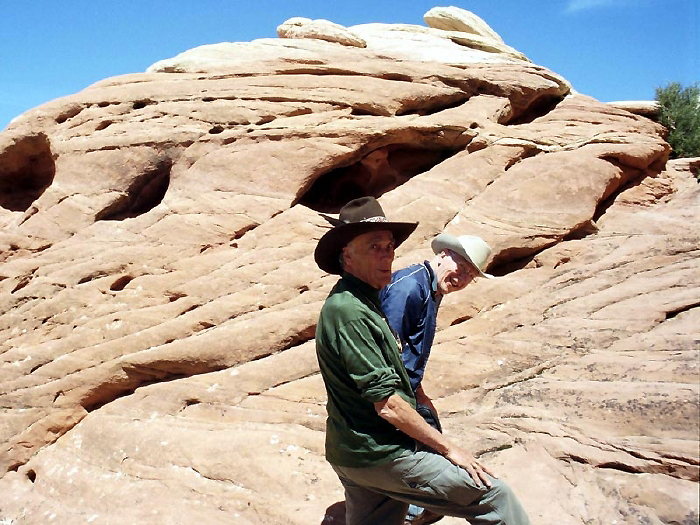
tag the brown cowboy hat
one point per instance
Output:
(357, 217)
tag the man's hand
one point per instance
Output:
(469, 463)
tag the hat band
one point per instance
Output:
(379, 218)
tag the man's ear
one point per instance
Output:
(345, 256)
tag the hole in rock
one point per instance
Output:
(172, 297)
(364, 111)
(460, 320)
(144, 193)
(24, 281)
(682, 309)
(27, 168)
(140, 104)
(513, 259)
(539, 108)
(68, 114)
(31, 475)
(397, 77)
(134, 377)
(121, 283)
(92, 276)
(380, 171)
(102, 125)
(526, 152)
(584, 230)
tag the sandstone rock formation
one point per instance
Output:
(646, 108)
(300, 27)
(159, 296)
(455, 19)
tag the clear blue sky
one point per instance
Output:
(609, 49)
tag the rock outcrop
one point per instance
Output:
(299, 27)
(646, 108)
(159, 296)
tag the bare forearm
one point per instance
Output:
(401, 414)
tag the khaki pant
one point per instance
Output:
(381, 495)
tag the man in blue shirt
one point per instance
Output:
(411, 303)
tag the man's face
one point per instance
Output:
(369, 256)
(453, 272)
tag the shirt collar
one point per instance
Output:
(365, 289)
(433, 277)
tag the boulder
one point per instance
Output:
(299, 27)
(460, 20)
(645, 108)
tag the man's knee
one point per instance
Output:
(500, 491)
(503, 500)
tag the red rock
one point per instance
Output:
(159, 298)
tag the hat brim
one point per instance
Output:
(327, 253)
(448, 242)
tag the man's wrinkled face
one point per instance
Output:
(369, 256)
(454, 272)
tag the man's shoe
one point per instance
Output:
(424, 518)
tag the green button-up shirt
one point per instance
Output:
(360, 361)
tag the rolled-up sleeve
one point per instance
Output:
(365, 359)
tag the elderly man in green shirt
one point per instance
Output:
(383, 451)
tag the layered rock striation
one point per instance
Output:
(159, 296)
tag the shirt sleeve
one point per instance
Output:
(366, 361)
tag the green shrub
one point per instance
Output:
(680, 114)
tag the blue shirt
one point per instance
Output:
(411, 303)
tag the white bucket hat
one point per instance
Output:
(472, 248)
